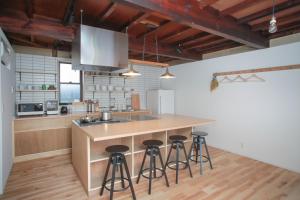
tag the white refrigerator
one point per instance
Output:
(161, 101)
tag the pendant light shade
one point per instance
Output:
(273, 25)
(131, 72)
(167, 75)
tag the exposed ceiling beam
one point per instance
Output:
(154, 30)
(199, 38)
(135, 20)
(107, 12)
(29, 8)
(205, 3)
(268, 11)
(69, 12)
(22, 40)
(36, 28)
(205, 20)
(136, 45)
(242, 5)
(221, 46)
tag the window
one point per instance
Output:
(69, 83)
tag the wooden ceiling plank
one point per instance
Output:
(204, 21)
(107, 12)
(154, 30)
(221, 46)
(29, 8)
(37, 28)
(212, 41)
(69, 12)
(240, 6)
(268, 11)
(136, 45)
(196, 39)
(135, 20)
(176, 34)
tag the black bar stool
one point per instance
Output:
(196, 148)
(117, 159)
(152, 150)
(177, 144)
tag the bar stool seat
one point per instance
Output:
(178, 138)
(200, 133)
(152, 150)
(117, 149)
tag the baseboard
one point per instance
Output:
(42, 155)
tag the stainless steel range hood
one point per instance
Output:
(96, 49)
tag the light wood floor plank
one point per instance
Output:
(233, 177)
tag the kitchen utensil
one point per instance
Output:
(51, 87)
(104, 88)
(135, 101)
(106, 115)
(110, 88)
(86, 119)
(64, 110)
(44, 87)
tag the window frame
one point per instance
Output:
(59, 83)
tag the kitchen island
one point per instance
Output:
(89, 142)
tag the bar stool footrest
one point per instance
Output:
(148, 169)
(118, 190)
(204, 156)
(174, 168)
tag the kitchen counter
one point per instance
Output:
(162, 123)
(89, 157)
(78, 114)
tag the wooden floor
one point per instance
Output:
(233, 177)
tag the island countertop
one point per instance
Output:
(163, 122)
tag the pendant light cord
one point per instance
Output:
(156, 48)
(273, 10)
(144, 46)
(81, 12)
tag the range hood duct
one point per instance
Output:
(96, 49)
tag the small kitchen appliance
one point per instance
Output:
(51, 107)
(25, 109)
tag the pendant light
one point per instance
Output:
(273, 25)
(167, 74)
(131, 72)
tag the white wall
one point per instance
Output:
(7, 107)
(258, 120)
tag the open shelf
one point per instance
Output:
(138, 140)
(98, 152)
(37, 90)
(34, 72)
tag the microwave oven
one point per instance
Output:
(25, 109)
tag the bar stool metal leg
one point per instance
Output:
(177, 163)
(208, 156)
(162, 165)
(142, 166)
(154, 167)
(122, 176)
(105, 176)
(197, 150)
(187, 160)
(113, 179)
(201, 160)
(129, 178)
(168, 156)
(150, 171)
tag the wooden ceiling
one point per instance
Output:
(185, 29)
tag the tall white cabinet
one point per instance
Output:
(161, 101)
